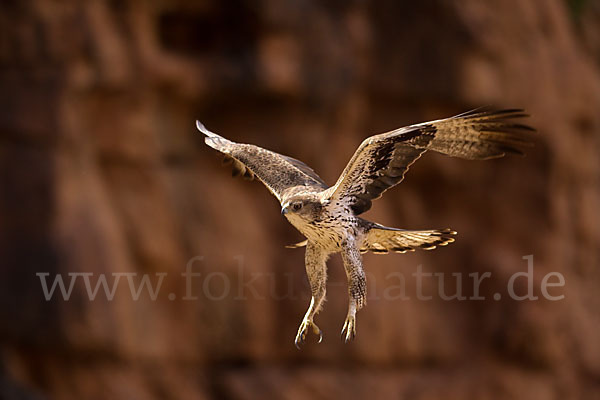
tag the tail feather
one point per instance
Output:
(381, 240)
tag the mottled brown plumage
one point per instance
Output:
(381, 161)
(328, 216)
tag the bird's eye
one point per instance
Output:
(297, 206)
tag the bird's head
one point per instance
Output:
(306, 207)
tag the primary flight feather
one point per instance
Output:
(329, 216)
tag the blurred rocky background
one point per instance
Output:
(102, 171)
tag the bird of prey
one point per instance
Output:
(328, 217)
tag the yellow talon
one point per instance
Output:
(349, 329)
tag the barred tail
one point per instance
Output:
(381, 239)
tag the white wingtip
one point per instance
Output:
(200, 126)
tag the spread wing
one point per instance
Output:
(280, 174)
(381, 161)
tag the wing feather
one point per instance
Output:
(381, 161)
(277, 172)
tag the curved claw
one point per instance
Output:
(349, 329)
(302, 332)
(317, 331)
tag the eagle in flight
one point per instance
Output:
(329, 216)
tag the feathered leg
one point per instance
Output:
(357, 287)
(316, 269)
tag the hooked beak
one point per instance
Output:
(284, 210)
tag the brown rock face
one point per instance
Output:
(102, 174)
